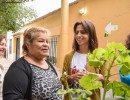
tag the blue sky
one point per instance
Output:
(43, 7)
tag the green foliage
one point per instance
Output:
(14, 16)
(114, 55)
(95, 59)
(113, 52)
(84, 93)
(73, 91)
(91, 81)
(15, 1)
(120, 89)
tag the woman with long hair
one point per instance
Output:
(75, 62)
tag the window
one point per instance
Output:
(17, 48)
(53, 51)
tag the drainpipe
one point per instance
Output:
(63, 43)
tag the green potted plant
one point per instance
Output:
(114, 55)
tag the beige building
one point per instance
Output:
(111, 14)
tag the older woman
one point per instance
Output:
(32, 76)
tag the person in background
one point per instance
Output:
(32, 77)
(2, 51)
(4, 63)
(126, 79)
(1, 79)
(75, 62)
(1, 74)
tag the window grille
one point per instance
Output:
(53, 50)
(17, 48)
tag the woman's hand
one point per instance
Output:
(78, 75)
(100, 76)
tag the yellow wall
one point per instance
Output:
(100, 12)
(51, 22)
(14, 38)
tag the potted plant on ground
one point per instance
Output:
(114, 55)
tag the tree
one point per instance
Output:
(15, 1)
(14, 14)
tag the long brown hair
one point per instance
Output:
(90, 29)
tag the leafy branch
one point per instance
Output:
(84, 93)
(14, 16)
(113, 53)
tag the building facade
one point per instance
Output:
(107, 15)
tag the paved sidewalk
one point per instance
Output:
(108, 94)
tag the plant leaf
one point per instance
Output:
(89, 82)
(62, 92)
(109, 86)
(121, 89)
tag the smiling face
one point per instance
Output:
(39, 48)
(2, 47)
(81, 36)
(85, 33)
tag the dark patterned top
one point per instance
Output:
(45, 84)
